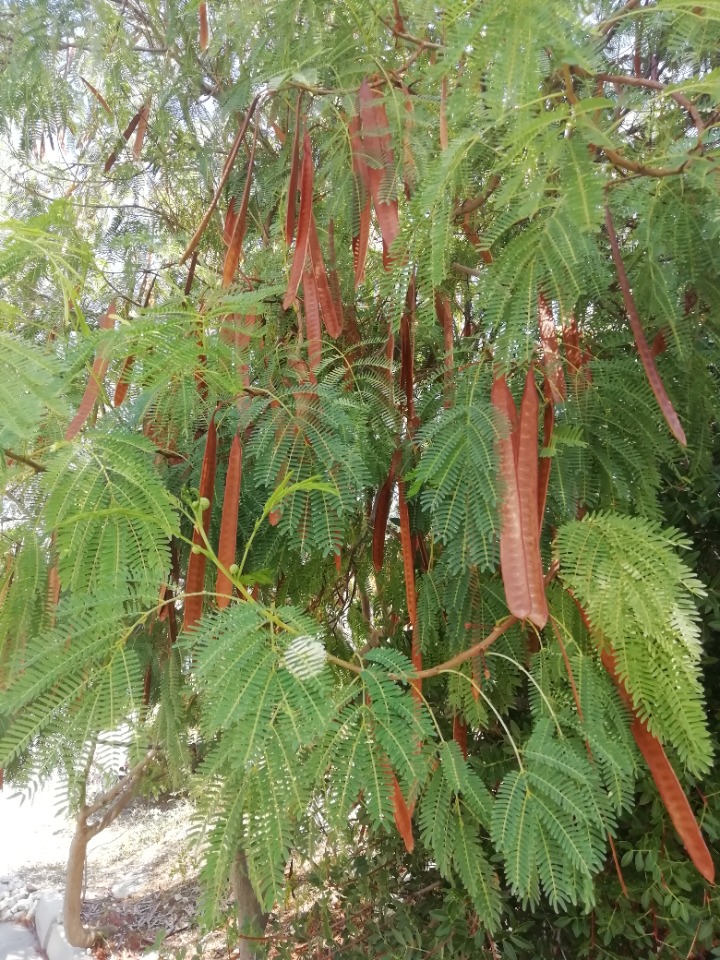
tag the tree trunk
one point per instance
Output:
(76, 933)
(105, 810)
(251, 918)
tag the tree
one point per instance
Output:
(359, 369)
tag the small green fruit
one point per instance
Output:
(233, 569)
(204, 503)
(196, 548)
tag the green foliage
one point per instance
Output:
(457, 473)
(639, 595)
(29, 385)
(294, 715)
(111, 514)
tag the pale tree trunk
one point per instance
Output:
(251, 918)
(91, 820)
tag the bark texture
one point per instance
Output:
(252, 920)
(90, 821)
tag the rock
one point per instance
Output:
(21, 905)
(124, 888)
(58, 947)
(49, 910)
(31, 887)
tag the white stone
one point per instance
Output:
(124, 888)
(31, 910)
(22, 904)
(58, 947)
(49, 910)
(31, 887)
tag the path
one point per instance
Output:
(18, 943)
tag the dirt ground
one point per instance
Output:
(141, 872)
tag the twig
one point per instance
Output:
(678, 97)
(409, 38)
(468, 271)
(468, 206)
(37, 467)
(464, 655)
(197, 236)
(127, 780)
(618, 160)
(608, 27)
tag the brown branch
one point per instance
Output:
(468, 206)
(37, 467)
(680, 98)
(468, 654)
(608, 27)
(464, 655)
(618, 160)
(127, 780)
(197, 236)
(467, 271)
(569, 89)
(409, 38)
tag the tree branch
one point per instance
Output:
(618, 160)
(197, 236)
(464, 655)
(19, 458)
(680, 98)
(608, 27)
(127, 780)
(468, 206)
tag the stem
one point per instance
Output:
(19, 458)
(197, 236)
(464, 655)
(494, 709)
(678, 97)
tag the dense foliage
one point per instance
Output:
(358, 369)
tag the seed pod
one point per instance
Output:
(204, 31)
(666, 781)
(228, 524)
(97, 375)
(195, 579)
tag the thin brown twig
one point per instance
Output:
(468, 206)
(197, 236)
(608, 27)
(410, 38)
(680, 98)
(467, 271)
(37, 467)
(618, 160)
(464, 655)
